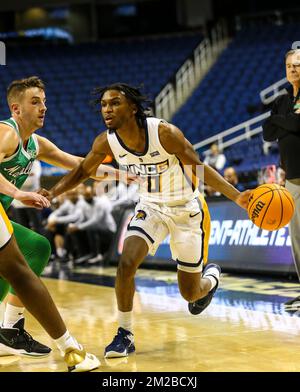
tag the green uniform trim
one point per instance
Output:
(17, 167)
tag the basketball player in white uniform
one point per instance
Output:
(169, 202)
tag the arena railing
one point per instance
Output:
(270, 93)
(174, 94)
(243, 131)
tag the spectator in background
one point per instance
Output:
(56, 231)
(124, 195)
(284, 126)
(27, 216)
(210, 192)
(99, 225)
(73, 210)
(280, 176)
(231, 176)
(78, 242)
(215, 159)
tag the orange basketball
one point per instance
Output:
(270, 206)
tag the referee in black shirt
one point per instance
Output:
(284, 126)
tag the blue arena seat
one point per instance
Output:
(221, 100)
(72, 71)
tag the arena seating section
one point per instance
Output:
(229, 94)
(71, 72)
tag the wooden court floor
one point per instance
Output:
(244, 329)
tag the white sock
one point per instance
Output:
(125, 320)
(12, 315)
(213, 275)
(66, 341)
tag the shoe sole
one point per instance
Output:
(89, 364)
(5, 351)
(115, 354)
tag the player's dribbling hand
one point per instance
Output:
(243, 199)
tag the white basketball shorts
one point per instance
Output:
(188, 226)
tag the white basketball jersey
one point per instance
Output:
(165, 181)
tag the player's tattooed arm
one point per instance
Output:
(174, 142)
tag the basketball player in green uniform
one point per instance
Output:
(24, 253)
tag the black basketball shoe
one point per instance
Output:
(198, 306)
(16, 341)
(292, 304)
(121, 346)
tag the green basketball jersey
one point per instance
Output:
(17, 167)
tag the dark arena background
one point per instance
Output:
(214, 69)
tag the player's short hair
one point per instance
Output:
(290, 52)
(132, 93)
(17, 87)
